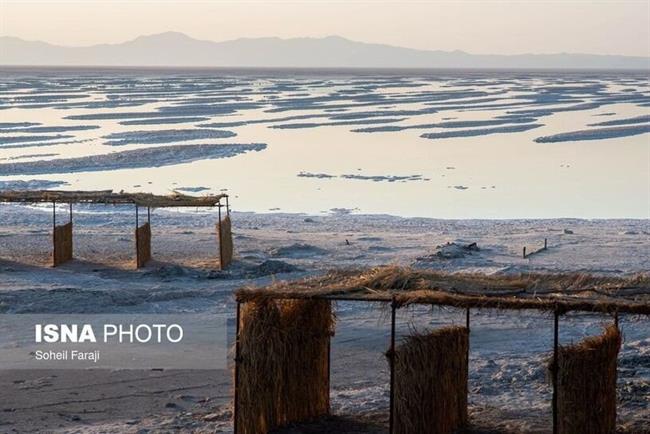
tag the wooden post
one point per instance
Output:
(227, 206)
(220, 235)
(467, 326)
(137, 249)
(545, 243)
(237, 356)
(329, 371)
(524, 252)
(71, 229)
(555, 369)
(54, 233)
(391, 358)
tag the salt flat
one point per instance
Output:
(508, 387)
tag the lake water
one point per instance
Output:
(446, 144)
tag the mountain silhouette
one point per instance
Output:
(175, 49)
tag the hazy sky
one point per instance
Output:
(500, 27)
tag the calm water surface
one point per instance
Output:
(447, 144)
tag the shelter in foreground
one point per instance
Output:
(282, 358)
(62, 235)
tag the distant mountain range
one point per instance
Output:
(179, 50)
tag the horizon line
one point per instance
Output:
(368, 69)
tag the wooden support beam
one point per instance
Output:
(556, 344)
(468, 331)
(237, 357)
(219, 237)
(54, 233)
(391, 359)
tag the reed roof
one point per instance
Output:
(109, 197)
(539, 291)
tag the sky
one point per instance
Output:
(479, 27)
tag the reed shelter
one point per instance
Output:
(62, 233)
(282, 349)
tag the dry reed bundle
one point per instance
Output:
(587, 384)
(431, 382)
(62, 244)
(142, 245)
(284, 363)
(175, 199)
(224, 235)
(407, 279)
(551, 292)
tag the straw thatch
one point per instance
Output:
(224, 234)
(175, 199)
(431, 382)
(62, 240)
(586, 384)
(551, 292)
(142, 245)
(283, 369)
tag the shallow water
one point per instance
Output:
(469, 151)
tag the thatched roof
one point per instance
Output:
(550, 292)
(109, 197)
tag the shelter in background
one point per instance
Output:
(282, 347)
(62, 239)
